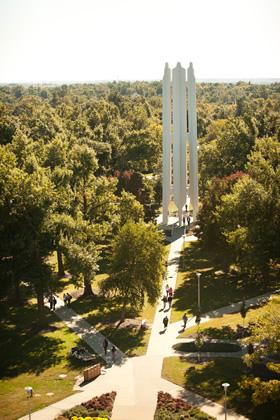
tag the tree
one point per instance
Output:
(265, 337)
(82, 255)
(136, 265)
(129, 208)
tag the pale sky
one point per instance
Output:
(89, 40)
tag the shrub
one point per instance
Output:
(177, 409)
(96, 407)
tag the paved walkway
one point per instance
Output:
(87, 333)
(137, 380)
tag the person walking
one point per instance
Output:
(54, 301)
(164, 300)
(105, 345)
(170, 291)
(50, 300)
(166, 289)
(169, 299)
(65, 299)
(114, 354)
(69, 298)
(165, 322)
(185, 320)
(188, 220)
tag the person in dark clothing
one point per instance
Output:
(169, 299)
(165, 322)
(185, 320)
(164, 300)
(105, 345)
(114, 353)
(69, 298)
(54, 301)
(188, 220)
(50, 300)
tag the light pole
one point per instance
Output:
(29, 392)
(198, 291)
(225, 385)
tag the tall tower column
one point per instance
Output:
(166, 140)
(192, 120)
(179, 138)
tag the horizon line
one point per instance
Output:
(254, 80)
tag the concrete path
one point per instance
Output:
(87, 333)
(137, 380)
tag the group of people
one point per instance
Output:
(113, 349)
(52, 301)
(188, 220)
(167, 297)
(67, 299)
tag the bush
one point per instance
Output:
(192, 414)
(96, 407)
(177, 409)
(78, 411)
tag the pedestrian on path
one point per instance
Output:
(185, 320)
(189, 220)
(166, 289)
(65, 299)
(113, 354)
(105, 345)
(54, 301)
(69, 298)
(165, 322)
(50, 300)
(170, 291)
(169, 299)
(164, 301)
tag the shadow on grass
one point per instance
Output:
(207, 379)
(23, 347)
(106, 314)
(218, 286)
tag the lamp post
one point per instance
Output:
(29, 392)
(198, 291)
(225, 385)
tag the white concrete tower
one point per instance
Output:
(174, 141)
(192, 122)
(166, 142)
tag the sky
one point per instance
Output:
(94, 40)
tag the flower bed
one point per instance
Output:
(177, 409)
(98, 407)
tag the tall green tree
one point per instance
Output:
(136, 265)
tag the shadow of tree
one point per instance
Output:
(106, 314)
(218, 286)
(207, 379)
(24, 348)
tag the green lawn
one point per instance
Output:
(220, 285)
(224, 327)
(206, 379)
(34, 352)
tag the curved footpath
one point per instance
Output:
(137, 380)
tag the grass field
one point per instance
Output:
(219, 284)
(206, 379)
(34, 353)
(224, 327)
